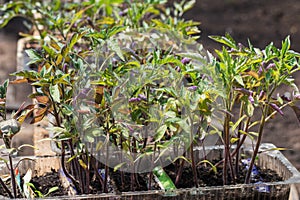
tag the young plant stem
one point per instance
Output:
(237, 156)
(194, 169)
(180, 170)
(258, 142)
(78, 171)
(63, 165)
(87, 173)
(12, 175)
(152, 166)
(6, 189)
(226, 140)
(134, 151)
(105, 188)
(56, 114)
(242, 140)
(94, 164)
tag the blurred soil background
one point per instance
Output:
(260, 21)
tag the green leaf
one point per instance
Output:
(118, 166)
(228, 41)
(164, 179)
(55, 93)
(214, 168)
(33, 55)
(184, 125)
(249, 109)
(160, 132)
(239, 79)
(53, 189)
(188, 5)
(285, 46)
(234, 140)
(238, 122)
(183, 158)
(73, 40)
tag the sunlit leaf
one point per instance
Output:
(82, 164)
(55, 93)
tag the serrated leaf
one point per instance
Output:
(223, 40)
(285, 46)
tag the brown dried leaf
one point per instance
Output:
(18, 81)
(37, 119)
(42, 99)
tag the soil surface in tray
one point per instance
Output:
(207, 177)
(42, 184)
(141, 182)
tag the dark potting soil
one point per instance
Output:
(42, 184)
(141, 182)
(48, 181)
(207, 177)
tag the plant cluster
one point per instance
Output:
(126, 83)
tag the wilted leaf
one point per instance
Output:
(18, 81)
(253, 74)
(37, 119)
(41, 111)
(42, 99)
